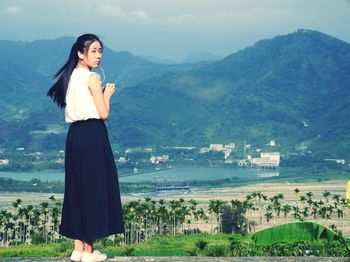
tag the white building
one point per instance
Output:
(267, 160)
(227, 152)
(216, 147)
(4, 162)
(338, 161)
(122, 159)
(60, 161)
(204, 150)
(231, 146)
(242, 162)
(159, 159)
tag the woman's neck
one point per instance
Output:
(81, 64)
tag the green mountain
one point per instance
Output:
(291, 88)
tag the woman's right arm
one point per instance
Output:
(101, 99)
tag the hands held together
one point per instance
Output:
(109, 89)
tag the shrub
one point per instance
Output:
(64, 247)
(201, 244)
(242, 247)
(38, 238)
(128, 251)
(217, 251)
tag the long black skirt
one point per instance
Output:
(91, 205)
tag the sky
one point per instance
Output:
(172, 29)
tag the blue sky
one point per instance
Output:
(172, 29)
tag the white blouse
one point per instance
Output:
(79, 101)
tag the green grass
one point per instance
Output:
(217, 245)
(159, 246)
(176, 246)
(42, 250)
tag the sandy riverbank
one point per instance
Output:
(204, 195)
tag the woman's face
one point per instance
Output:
(92, 57)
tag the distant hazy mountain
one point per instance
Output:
(200, 56)
(292, 88)
(158, 60)
(45, 57)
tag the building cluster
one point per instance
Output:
(226, 149)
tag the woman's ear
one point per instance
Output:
(80, 55)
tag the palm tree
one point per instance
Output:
(27, 215)
(162, 215)
(17, 203)
(268, 216)
(302, 199)
(276, 204)
(219, 206)
(296, 213)
(296, 191)
(251, 225)
(314, 209)
(45, 210)
(250, 206)
(323, 212)
(174, 210)
(309, 197)
(260, 197)
(5, 221)
(305, 212)
(201, 215)
(215, 206)
(286, 209)
(211, 209)
(326, 195)
(193, 211)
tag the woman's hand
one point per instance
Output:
(109, 89)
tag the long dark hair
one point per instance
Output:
(58, 91)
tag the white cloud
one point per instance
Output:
(140, 14)
(111, 10)
(14, 10)
(118, 12)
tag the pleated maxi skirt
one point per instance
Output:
(91, 206)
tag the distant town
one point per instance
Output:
(147, 159)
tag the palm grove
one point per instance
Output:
(147, 218)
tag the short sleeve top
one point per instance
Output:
(79, 101)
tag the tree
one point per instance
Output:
(233, 218)
(216, 206)
(326, 195)
(309, 197)
(286, 209)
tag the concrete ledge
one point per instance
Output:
(194, 259)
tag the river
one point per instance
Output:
(180, 174)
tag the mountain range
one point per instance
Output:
(292, 88)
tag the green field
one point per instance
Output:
(191, 245)
(159, 246)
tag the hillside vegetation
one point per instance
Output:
(291, 88)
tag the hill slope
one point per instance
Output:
(291, 88)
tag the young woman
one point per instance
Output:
(91, 206)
